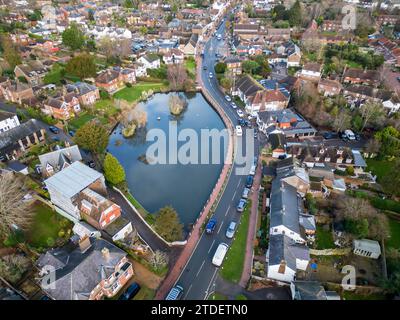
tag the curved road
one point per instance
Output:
(199, 275)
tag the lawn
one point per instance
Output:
(135, 92)
(107, 106)
(191, 67)
(394, 240)
(348, 295)
(324, 238)
(46, 226)
(145, 294)
(79, 121)
(353, 64)
(232, 267)
(379, 167)
(217, 296)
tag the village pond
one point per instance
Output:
(186, 187)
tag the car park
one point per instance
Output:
(246, 192)
(220, 254)
(54, 129)
(230, 232)
(228, 98)
(241, 205)
(129, 293)
(240, 113)
(249, 181)
(211, 226)
(175, 293)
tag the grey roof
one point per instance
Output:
(73, 179)
(307, 221)
(367, 245)
(309, 290)
(78, 272)
(6, 115)
(283, 249)
(358, 159)
(57, 158)
(284, 206)
(11, 136)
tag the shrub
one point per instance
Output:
(104, 94)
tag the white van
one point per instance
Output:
(252, 170)
(350, 135)
(238, 131)
(220, 254)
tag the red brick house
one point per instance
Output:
(15, 91)
(114, 79)
(359, 76)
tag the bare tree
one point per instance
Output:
(373, 146)
(372, 113)
(106, 46)
(13, 266)
(177, 76)
(159, 259)
(342, 120)
(14, 210)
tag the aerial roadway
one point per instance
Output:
(199, 275)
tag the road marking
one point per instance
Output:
(211, 246)
(200, 268)
(227, 210)
(219, 229)
(187, 292)
(209, 285)
(234, 194)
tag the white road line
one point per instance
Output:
(209, 285)
(187, 292)
(211, 246)
(227, 210)
(200, 268)
(219, 229)
(234, 194)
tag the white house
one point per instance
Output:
(174, 56)
(140, 70)
(285, 257)
(8, 120)
(311, 71)
(367, 248)
(391, 106)
(150, 61)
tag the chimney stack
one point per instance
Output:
(84, 244)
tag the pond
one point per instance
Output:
(186, 187)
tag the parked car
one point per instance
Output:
(230, 232)
(129, 293)
(211, 226)
(204, 67)
(249, 181)
(54, 129)
(255, 134)
(349, 135)
(91, 164)
(245, 193)
(55, 139)
(241, 205)
(241, 122)
(233, 105)
(71, 133)
(220, 254)
(228, 98)
(238, 131)
(175, 293)
(358, 136)
(330, 135)
(210, 75)
(240, 113)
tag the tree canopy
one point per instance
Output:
(92, 136)
(73, 37)
(82, 66)
(10, 52)
(167, 224)
(113, 171)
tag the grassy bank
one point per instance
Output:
(135, 92)
(232, 267)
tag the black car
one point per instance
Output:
(330, 135)
(204, 67)
(54, 129)
(132, 290)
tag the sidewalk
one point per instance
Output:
(251, 232)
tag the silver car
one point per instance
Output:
(231, 230)
(245, 193)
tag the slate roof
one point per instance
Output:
(282, 248)
(58, 158)
(284, 209)
(78, 273)
(6, 115)
(73, 179)
(107, 76)
(11, 136)
(367, 75)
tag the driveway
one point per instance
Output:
(144, 231)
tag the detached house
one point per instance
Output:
(291, 52)
(8, 120)
(114, 79)
(55, 161)
(63, 107)
(16, 91)
(150, 61)
(234, 65)
(86, 93)
(311, 72)
(90, 270)
(190, 48)
(33, 72)
(173, 56)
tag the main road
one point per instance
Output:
(198, 277)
